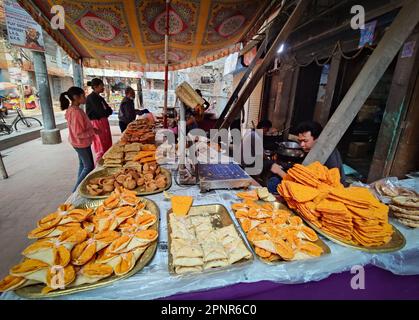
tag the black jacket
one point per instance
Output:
(127, 112)
(96, 107)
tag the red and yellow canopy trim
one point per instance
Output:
(129, 34)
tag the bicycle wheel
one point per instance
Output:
(27, 122)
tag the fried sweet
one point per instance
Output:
(10, 283)
(91, 273)
(49, 251)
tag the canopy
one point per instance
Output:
(129, 34)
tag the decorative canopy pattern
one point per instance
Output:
(129, 34)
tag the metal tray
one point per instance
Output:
(397, 241)
(224, 220)
(34, 291)
(319, 242)
(109, 171)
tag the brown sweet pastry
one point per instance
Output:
(108, 185)
(151, 186)
(94, 189)
(140, 182)
(130, 183)
(161, 182)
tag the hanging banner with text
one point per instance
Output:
(22, 30)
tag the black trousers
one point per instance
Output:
(122, 126)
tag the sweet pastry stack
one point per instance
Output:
(276, 234)
(406, 210)
(197, 245)
(129, 155)
(404, 203)
(78, 246)
(139, 131)
(350, 214)
(114, 157)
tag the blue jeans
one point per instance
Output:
(273, 183)
(85, 164)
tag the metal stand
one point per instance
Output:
(3, 168)
(185, 176)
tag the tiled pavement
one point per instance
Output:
(40, 178)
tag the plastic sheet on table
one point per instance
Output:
(154, 281)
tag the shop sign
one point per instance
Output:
(22, 30)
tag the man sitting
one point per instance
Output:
(307, 132)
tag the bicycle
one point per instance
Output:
(20, 122)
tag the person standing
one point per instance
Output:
(98, 112)
(81, 131)
(127, 112)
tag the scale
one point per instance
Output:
(222, 176)
(209, 176)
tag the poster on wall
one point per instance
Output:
(367, 34)
(22, 30)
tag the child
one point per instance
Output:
(81, 131)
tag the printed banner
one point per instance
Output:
(22, 30)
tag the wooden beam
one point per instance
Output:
(401, 89)
(369, 15)
(291, 102)
(367, 79)
(322, 111)
(269, 58)
(271, 32)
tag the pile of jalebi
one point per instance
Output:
(351, 214)
(85, 245)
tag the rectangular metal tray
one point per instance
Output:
(34, 291)
(319, 242)
(224, 220)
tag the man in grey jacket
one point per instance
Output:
(307, 132)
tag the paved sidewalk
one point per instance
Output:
(40, 178)
(24, 135)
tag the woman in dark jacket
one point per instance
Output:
(127, 112)
(98, 112)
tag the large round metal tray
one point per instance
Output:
(34, 291)
(109, 171)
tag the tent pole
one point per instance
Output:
(166, 64)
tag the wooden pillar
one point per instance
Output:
(402, 85)
(49, 134)
(367, 79)
(322, 111)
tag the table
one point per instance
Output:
(154, 281)
(380, 284)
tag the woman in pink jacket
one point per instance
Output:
(81, 131)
